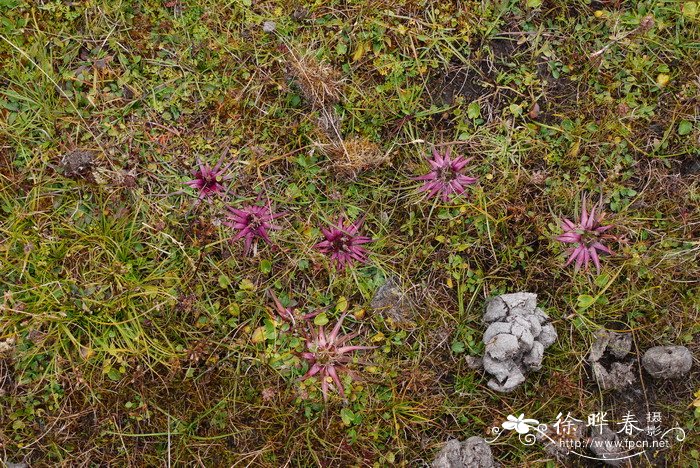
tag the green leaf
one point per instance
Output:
(321, 319)
(224, 282)
(585, 301)
(114, 374)
(602, 280)
(567, 125)
(458, 347)
(474, 110)
(265, 266)
(690, 9)
(516, 110)
(342, 304)
(347, 416)
(685, 127)
(533, 3)
(246, 285)
(270, 330)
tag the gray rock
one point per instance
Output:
(517, 334)
(620, 376)
(507, 375)
(618, 345)
(269, 26)
(392, 301)
(535, 356)
(474, 362)
(77, 164)
(548, 335)
(496, 329)
(499, 307)
(503, 347)
(603, 445)
(472, 453)
(559, 443)
(667, 362)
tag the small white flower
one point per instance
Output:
(520, 424)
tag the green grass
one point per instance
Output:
(128, 320)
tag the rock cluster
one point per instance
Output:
(613, 347)
(518, 333)
(619, 372)
(472, 453)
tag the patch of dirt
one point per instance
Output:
(78, 164)
(561, 95)
(458, 81)
(690, 166)
(7, 382)
(476, 80)
(6, 168)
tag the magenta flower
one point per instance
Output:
(587, 236)
(327, 355)
(343, 243)
(208, 180)
(446, 178)
(287, 313)
(251, 222)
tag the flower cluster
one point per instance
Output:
(341, 242)
(446, 179)
(587, 237)
(328, 355)
(252, 222)
(209, 181)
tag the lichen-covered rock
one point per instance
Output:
(474, 362)
(392, 301)
(77, 164)
(518, 333)
(558, 441)
(604, 443)
(620, 375)
(667, 362)
(618, 345)
(472, 453)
